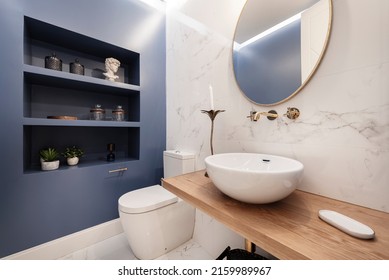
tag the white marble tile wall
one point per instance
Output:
(342, 135)
(213, 236)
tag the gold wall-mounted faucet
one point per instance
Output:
(271, 115)
(292, 113)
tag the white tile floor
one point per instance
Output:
(117, 248)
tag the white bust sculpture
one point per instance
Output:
(111, 67)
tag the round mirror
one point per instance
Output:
(278, 45)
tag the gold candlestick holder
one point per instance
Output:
(212, 115)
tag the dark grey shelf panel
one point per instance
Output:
(42, 39)
(92, 139)
(48, 77)
(50, 33)
(83, 164)
(85, 123)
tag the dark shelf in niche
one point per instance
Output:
(60, 93)
(42, 39)
(43, 76)
(93, 140)
(43, 97)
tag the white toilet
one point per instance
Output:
(154, 220)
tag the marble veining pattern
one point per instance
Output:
(342, 135)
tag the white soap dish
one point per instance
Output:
(347, 224)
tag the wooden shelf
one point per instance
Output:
(290, 228)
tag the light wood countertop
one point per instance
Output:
(290, 228)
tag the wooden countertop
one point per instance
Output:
(290, 228)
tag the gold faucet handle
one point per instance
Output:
(252, 116)
(292, 113)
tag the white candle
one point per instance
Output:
(211, 96)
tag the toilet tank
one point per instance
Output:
(177, 163)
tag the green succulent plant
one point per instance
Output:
(73, 151)
(49, 154)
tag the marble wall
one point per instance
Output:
(342, 135)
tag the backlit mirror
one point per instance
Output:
(278, 45)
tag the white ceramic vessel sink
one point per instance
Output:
(254, 178)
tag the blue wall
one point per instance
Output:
(269, 69)
(39, 207)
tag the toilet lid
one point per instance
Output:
(146, 199)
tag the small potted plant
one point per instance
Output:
(72, 155)
(49, 159)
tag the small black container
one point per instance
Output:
(53, 63)
(111, 150)
(76, 68)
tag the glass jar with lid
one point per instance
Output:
(118, 113)
(97, 113)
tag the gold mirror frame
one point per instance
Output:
(313, 71)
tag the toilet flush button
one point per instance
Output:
(346, 224)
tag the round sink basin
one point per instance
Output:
(254, 178)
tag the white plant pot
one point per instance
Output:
(72, 161)
(49, 165)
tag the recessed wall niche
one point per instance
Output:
(59, 93)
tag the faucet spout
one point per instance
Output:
(255, 116)
(271, 115)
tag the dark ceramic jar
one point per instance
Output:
(52, 62)
(76, 68)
